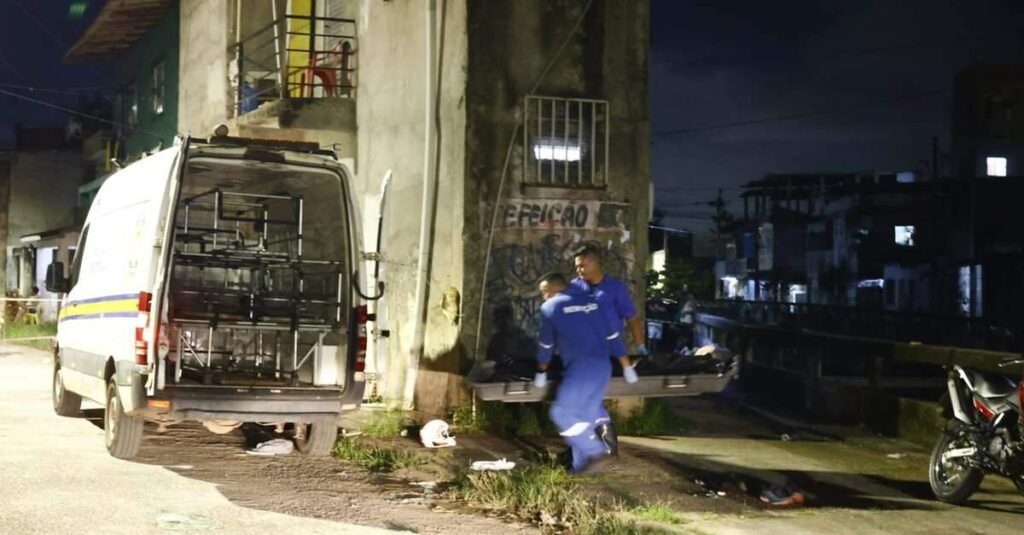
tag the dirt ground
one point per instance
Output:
(324, 488)
(711, 471)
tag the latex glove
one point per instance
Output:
(629, 374)
(641, 350)
(540, 379)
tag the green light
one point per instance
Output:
(77, 9)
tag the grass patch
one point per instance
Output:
(463, 420)
(542, 494)
(386, 424)
(654, 417)
(21, 330)
(374, 458)
(659, 512)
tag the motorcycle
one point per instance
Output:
(984, 436)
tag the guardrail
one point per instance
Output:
(296, 56)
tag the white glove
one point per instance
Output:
(540, 379)
(629, 374)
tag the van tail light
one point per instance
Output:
(141, 342)
(362, 316)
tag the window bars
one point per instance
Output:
(565, 142)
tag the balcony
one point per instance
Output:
(295, 58)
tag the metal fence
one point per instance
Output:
(565, 142)
(872, 323)
(296, 56)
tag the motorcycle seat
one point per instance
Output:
(991, 385)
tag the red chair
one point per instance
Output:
(326, 66)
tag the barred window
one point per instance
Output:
(566, 142)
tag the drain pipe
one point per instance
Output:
(427, 211)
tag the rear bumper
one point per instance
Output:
(250, 404)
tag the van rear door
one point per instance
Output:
(163, 246)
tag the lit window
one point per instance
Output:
(904, 235)
(158, 88)
(559, 153)
(566, 142)
(131, 107)
(995, 166)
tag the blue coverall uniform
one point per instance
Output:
(617, 305)
(574, 326)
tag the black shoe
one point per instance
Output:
(593, 466)
(606, 432)
(564, 459)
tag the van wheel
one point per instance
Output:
(316, 439)
(64, 403)
(123, 433)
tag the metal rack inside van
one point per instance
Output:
(246, 304)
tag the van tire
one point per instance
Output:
(65, 403)
(319, 439)
(123, 433)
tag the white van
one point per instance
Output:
(215, 282)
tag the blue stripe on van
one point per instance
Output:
(118, 297)
(102, 315)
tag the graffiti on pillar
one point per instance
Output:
(541, 236)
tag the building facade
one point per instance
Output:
(540, 145)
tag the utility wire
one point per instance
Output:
(78, 113)
(56, 39)
(841, 53)
(46, 29)
(78, 91)
(802, 115)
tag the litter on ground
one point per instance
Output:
(500, 464)
(782, 496)
(277, 446)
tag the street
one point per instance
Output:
(56, 477)
(855, 482)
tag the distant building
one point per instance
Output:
(987, 121)
(39, 182)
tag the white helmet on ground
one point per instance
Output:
(435, 434)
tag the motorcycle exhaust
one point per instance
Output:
(957, 453)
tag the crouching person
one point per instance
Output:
(573, 326)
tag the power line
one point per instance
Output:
(56, 39)
(40, 24)
(78, 113)
(10, 67)
(840, 53)
(790, 117)
(82, 91)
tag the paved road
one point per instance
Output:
(860, 484)
(56, 476)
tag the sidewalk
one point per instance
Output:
(854, 481)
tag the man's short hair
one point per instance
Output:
(588, 252)
(554, 278)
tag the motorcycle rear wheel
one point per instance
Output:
(953, 480)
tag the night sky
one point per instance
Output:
(863, 85)
(870, 82)
(34, 34)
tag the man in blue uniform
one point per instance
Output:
(617, 304)
(573, 325)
